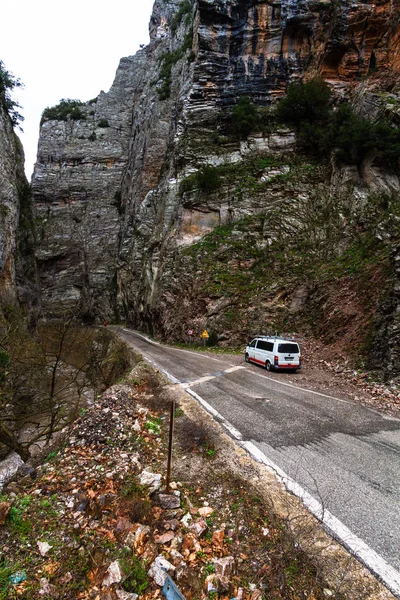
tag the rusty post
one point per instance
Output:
(171, 437)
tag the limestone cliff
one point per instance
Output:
(121, 230)
(17, 267)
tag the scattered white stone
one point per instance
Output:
(122, 595)
(151, 480)
(186, 519)
(265, 530)
(136, 538)
(113, 574)
(44, 547)
(206, 511)
(159, 568)
(224, 566)
(198, 527)
(48, 590)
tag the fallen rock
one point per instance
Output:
(151, 480)
(159, 568)
(171, 525)
(44, 547)
(206, 511)
(224, 566)
(169, 501)
(123, 525)
(122, 595)
(186, 519)
(113, 574)
(48, 590)
(198, 527)
(165, 538)
(136, 538)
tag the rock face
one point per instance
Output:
(17, 268)
(118, 230)
(9, 207)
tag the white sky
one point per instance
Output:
(66, 49)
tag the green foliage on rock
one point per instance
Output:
(184, 10)
(103, 123)
(305, 102)
(206, 179)
(7, 84)
(168, 60)
(323, 130)
(66, 109)
(244, 116)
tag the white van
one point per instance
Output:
(274, 353)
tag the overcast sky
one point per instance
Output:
(66, 50)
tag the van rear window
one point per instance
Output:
(288, 348)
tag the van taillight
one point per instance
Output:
(276, 360)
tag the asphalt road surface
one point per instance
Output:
(336, 454)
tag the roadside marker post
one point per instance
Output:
(171, 437)
(205, 337)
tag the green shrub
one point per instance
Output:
(136, 579)
(244, 116)
(206, 179)
(305, 102)
(7, 84)
(212, 340)
(184, 9)
(322, 131)
(168, 60)
(103, 123)
(66, 109)
(352, 136)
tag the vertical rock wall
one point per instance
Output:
(17, 266)
(109, 209)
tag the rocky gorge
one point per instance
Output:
(151, 208)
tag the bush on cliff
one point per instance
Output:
(244, 116)
(207, 179)
(66, 109)
(305, 102)
(323, 130)
(7, 84)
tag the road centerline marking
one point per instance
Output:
(189, 384)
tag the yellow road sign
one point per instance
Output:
(205, 335)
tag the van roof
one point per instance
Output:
(274, 337)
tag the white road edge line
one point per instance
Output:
(385, 572)
(375, 563)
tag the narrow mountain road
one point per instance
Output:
(341, 458)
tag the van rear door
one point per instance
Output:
(288, 354)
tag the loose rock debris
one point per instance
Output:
(96, 525)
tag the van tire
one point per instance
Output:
(268, 365)
(246, 357)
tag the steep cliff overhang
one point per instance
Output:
(257, 48)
